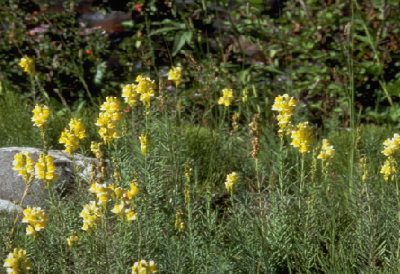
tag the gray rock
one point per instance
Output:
(12, 186)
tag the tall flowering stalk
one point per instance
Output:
(302, 139)
(326, 155)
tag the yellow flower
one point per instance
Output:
(70, 136)
(91, 214)
(389, 169)
(143, 267)
(108, 119)
(102, 192)
(231, 181)
(17, 262)
(41, 113)
(131, 94)
(28, 65)
(94, 147)
(392, 146)
(145, 98)
(45, 170)
(327, 151)
(31, 231)
(175, 74)
(303, 137)
(226, 98)
(24, 164)
(285, 107)
(73, 240)
(36, 218)
(244, 98)
(145, 143)
(145, 84)
(133, 191)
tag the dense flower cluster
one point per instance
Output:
(28, 65)
(231, 181)
(126, 197)
(17, 262)
(70, 136)
(131, 94)
(285, 107)
(303, 137)
(36, 218)
(102, 192)
(226, 98)
(143, 267)
(24, 164)
(91, 215)
(40, 115)
(175, 74)
(146, 88)
(109, 118)
(391, 150)
(392, 146)
(145, 143)
(45, 170)
(327, 151)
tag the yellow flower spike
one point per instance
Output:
(244, 98)
(108, 119)
(327, 151)
(91, 214)
(24, 164)
(17, 262)
(145, 143)
(303, 137)
(145, 84)
(392, 146)
(143, 267)
(40, 116)
(175, 74)
(285, 106)
(226, 98)
(72, 241)
(389, 169)
(45, 170)
(231, 181)
(36, 218)
(131, 94)
(28, 65)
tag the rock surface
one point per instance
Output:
(13, 186)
